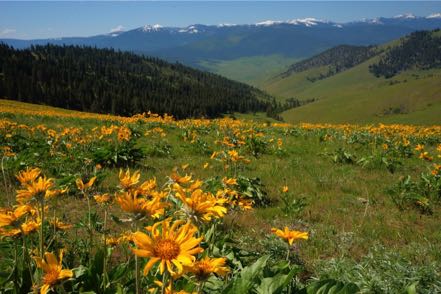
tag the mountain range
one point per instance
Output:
(210, 46)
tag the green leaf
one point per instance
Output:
(411, 289)
(275, 284)
(248, 276)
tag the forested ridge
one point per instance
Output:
(108, 81)
(337, 59)
(421, 50)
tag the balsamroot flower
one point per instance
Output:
(229, 181)
(290, 236)
(84, 186)
(140, 206)
(53, 272)
(103, 198)
(8, 216)
(127, 181)
(29, 175)
(201, 205)
(25, 228)
(180, 180)
(172, 246)
(203, 268)
(59, 225)
(37, 189)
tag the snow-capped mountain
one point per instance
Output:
(301, 37)
(309, 21)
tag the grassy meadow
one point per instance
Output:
(253, 70)
(367, 198)
(411, 97)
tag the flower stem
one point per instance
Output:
(201, 287)
(164, 282)
(105, 250)
(42, 228)
(17, 286)
(26, 257)
(5, 182)
(89, 227)
(135, 225)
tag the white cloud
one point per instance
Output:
(6, 32)
(118, 29)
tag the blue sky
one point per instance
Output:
(30, 20)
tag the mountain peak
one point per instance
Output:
(308, 21)
(405, 16)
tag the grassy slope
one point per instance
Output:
(356, 96)
(289, 87)
(252, 70)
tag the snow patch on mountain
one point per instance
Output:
(222, 25)
(405, 16)
(309, 22)
(376, 21)
(190, 30)
(434, 15)
(117, 30)
(151, 28)
(268, 23)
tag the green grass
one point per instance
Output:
(253, 70)
(290, 87)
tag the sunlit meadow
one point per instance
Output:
(149, 204)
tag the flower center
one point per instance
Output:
(50, 278)
(166, 249)
(203, 270)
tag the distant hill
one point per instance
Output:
(411, 93)
(106, 81)
(225, 48)
(336, 59)
(422, 50)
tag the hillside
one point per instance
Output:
(337, 59)
(356, 95)
(106, 81)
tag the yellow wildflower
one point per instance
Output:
(128, 181)
(53, 272)
(290, 236)
(173, 246)
(83, 187)
(203, 268)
